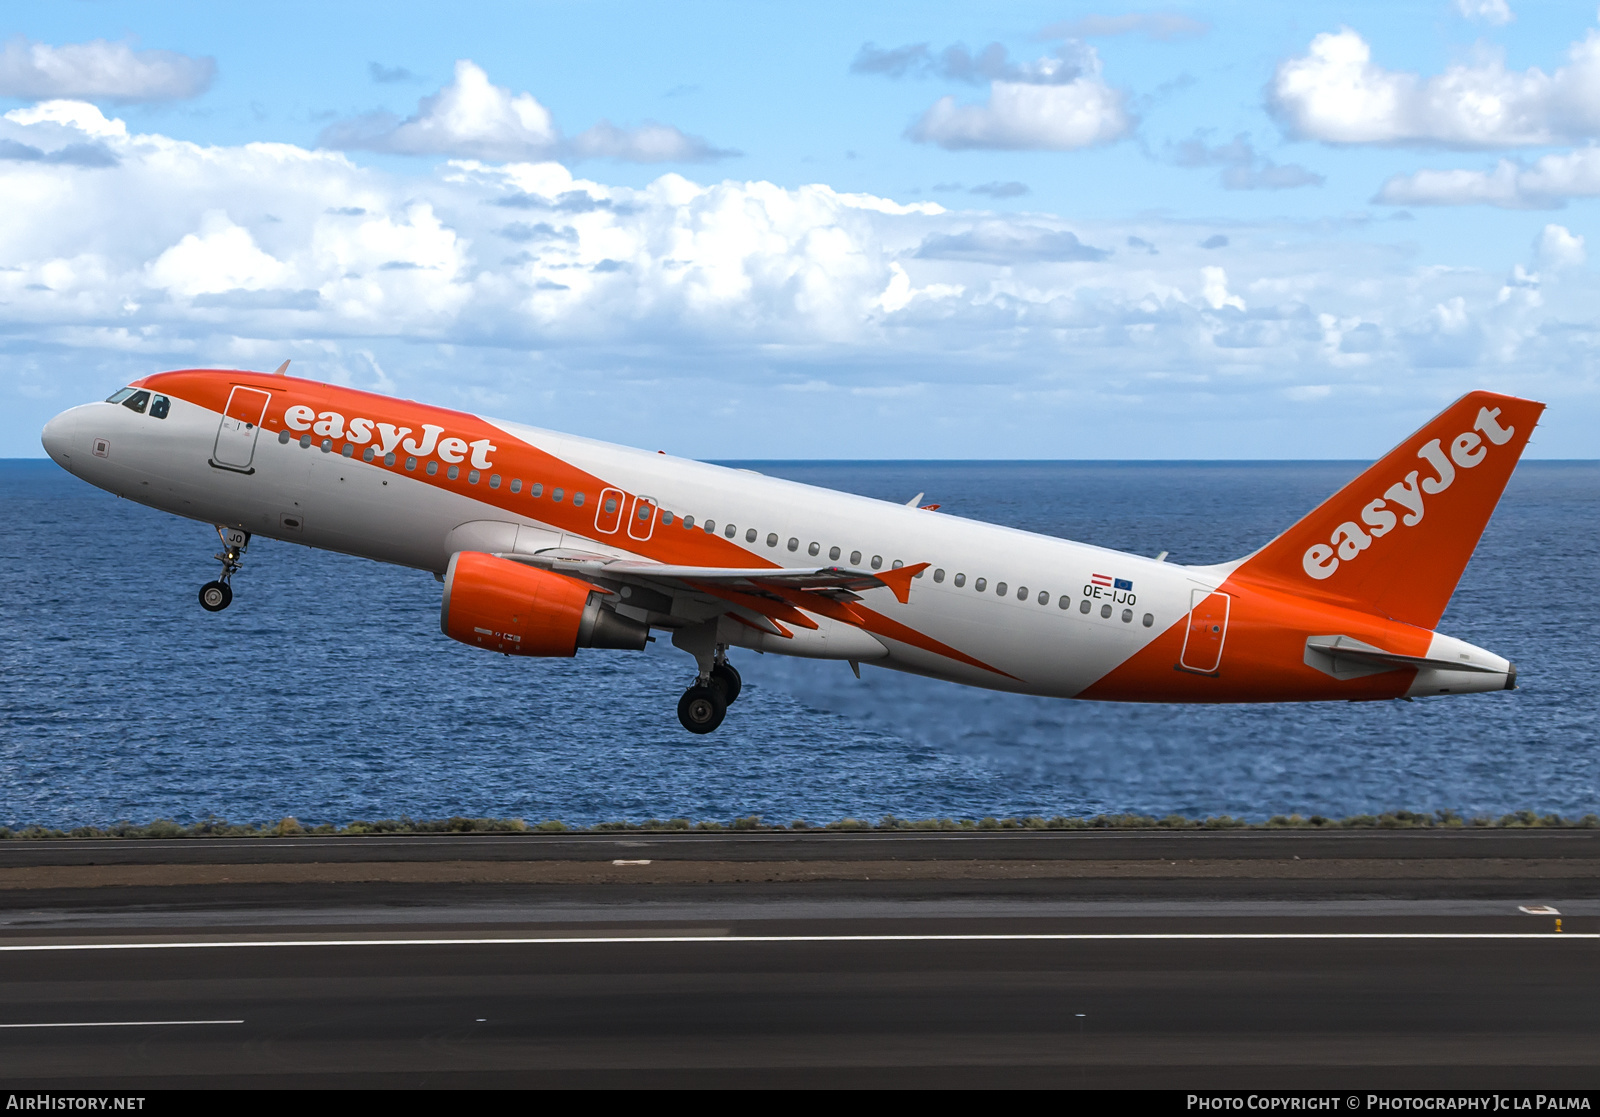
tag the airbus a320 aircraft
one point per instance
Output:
(547, 543)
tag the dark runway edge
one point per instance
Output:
(1189, 960)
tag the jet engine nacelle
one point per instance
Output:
(508, 607)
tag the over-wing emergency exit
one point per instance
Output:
(547, 543)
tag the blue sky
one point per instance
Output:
(823, 230)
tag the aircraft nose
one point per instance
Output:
(57, 437)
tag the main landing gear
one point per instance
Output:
(705, 704)
(217, 596)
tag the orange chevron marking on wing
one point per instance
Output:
(786, 633)
(861, 617)
(772, 610)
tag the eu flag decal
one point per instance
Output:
(1123, 584)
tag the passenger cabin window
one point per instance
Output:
(981, 584)
(938, 575)
(688, 522)
(1044, 598)
(137, 402)
(433, 467)
(516, 484)
(794, 544)
(855, 558)
(536, 490)
(666, 519)
(453, 472)
(772, 539)
(1066, 602)
(961, 580)
(159, 409)
(833, 554)
(877, 562)
(750, 535)
(557, 494)
(494, 481)
(814, 550)
(1000, 588)
(1084, 606)
(896, 564)
(577, 500)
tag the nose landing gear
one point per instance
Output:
(217, 596)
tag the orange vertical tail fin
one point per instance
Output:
(1395, 540)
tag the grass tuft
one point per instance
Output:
(290, 827)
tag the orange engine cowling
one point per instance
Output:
(504, 606)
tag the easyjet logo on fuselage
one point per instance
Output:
(1378, 517)
(389, 437)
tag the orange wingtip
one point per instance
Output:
(899, 581)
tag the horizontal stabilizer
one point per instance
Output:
(1345, 657)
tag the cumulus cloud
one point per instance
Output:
(490, 286)
(100, 70)
(1056, 103)
(1009, 244)
(1160, 26)
(1495, 12)
(473, 118)
(1029, 116)
(1559, 247)
(1545, 184)
(1243, 168)
(1336, 93)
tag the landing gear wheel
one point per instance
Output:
(215, 596)
(727, 676)
(702, 708)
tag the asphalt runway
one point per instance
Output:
(1181, 961)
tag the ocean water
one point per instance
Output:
(327, 692)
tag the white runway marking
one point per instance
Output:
(613, 940)
(121, 1023)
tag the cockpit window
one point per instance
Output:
(120, 394)
(160, 407)
(137, 402)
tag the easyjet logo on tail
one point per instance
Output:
(331, 424)
(1403, 502)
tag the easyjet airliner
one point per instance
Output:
(547, 543)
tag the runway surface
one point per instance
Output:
(1359, 960)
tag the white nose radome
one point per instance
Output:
(57, 437)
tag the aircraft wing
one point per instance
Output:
(836, 582)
